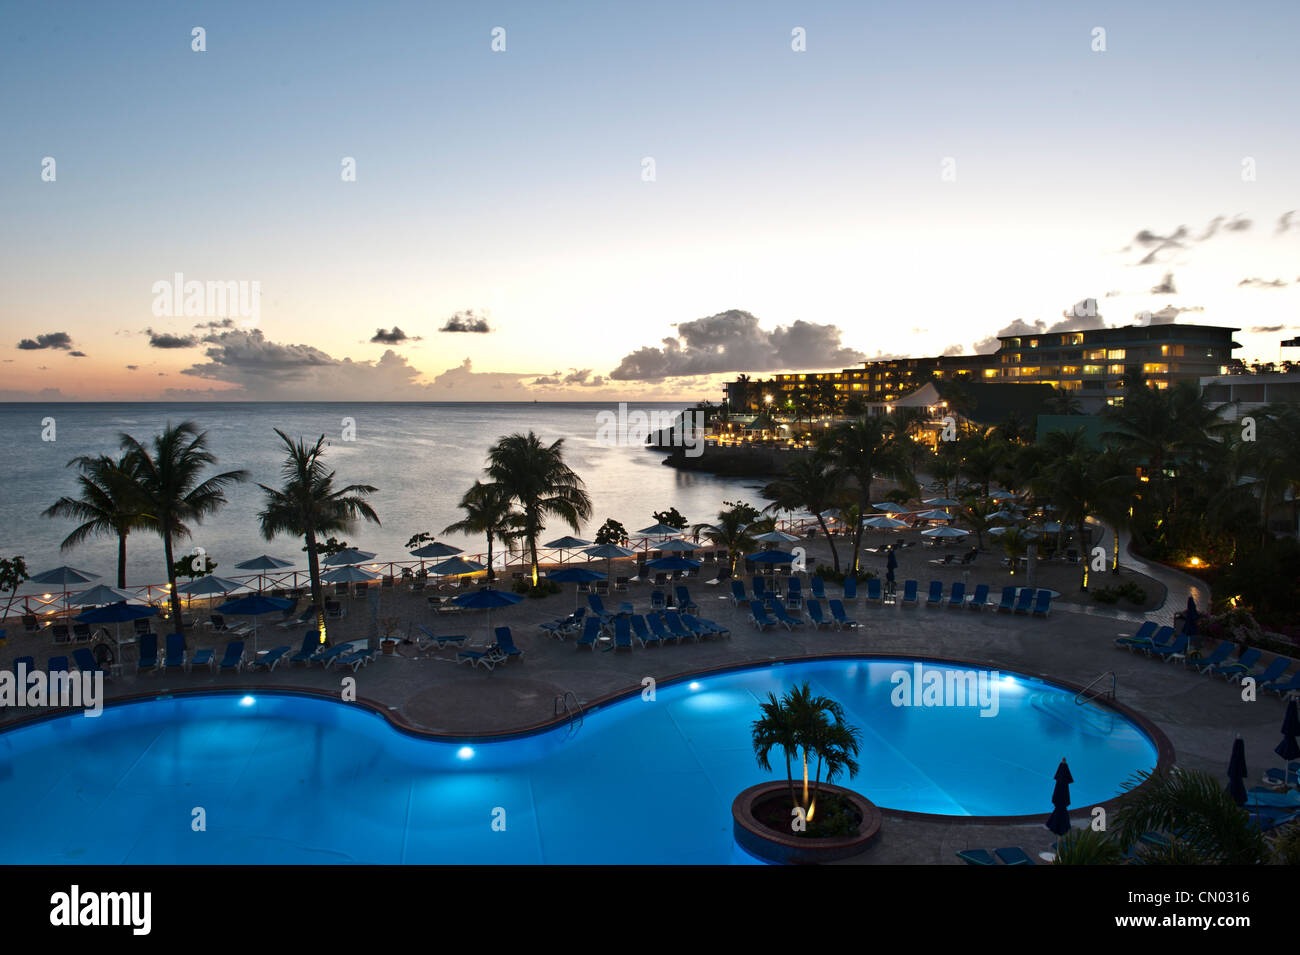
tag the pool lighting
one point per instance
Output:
(465, 752)
(696, 686)
(247, 701)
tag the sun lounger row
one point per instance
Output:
(1011, 855)
(653, 628)
(1160, 643)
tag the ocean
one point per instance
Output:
(421, 457)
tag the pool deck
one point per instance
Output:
(1200, 715)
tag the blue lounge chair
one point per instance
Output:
(841, 620)
(1174, 651)
(711, 627)
(658, 600)
(935, 597)
(816, 616)
(693, 625)
(327, 655)
(175, 655)
(487, 659)
(684, 601)
(148, 652)
(1219, 655)
(598, 607)
(590, 634)
(310, 644)
(1273, 672)
(850, 588)
(200, 658)
(958, 595)
(58, 664)
(659, 630)
(270, 659)
(818, 588)
(1024, 600)
(622, 633)
(678, 629)
(355, 660)
(1239, 669)
(1281, 687)
(1289, 777)
(1141, 637)
(977, 857)
(506, 641)
(738, 593)
(1260, 798)
(1008, 601)
(1013, 855)
(909, 593)
(759, 586)
(85, 661)
(874, 593)
(641, 631)
(782, 617)
(759, 616)
(233, 658)
(981, 598)
(794, 594)
(1042, 603)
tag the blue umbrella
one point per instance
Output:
(575, 575)
(487, 599)
(254, 605)
(673, 563)
(116, 614)
(678, 545)
(1059, 820)
(263, 562)
(64, 576)
(1237, 772)
(659, 530)
(1288, 749)
(350, 555)
(609, 552)
(771, 557)
(99, 594)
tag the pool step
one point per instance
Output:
(1089, 718)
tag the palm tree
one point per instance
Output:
(1063, 403)
(1206, 826)
(308, 504)
(1275, 458)
(171, 494)
(735, 531)
(863, 449)
(810, 727)
(1014, 542)
(812, 483)
(975, 511)
(107, 504)
(533, 476)
(488, 512)
(776, 728)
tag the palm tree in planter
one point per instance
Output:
(811, 729)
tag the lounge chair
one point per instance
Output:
(142, 626)
(1174, 651)
(1024, 600)
(233, 657)
(641, 631)
(1008, 602)
(935, 596)
(782, 617)
(621, 584)
(874, 593)
(816, 616)
(684, 601)
(200, 658)
(1241, 667)
(1042, 603)
(794, 594)
(1219, 655)
(818, 587)
(909, 593)
(304, 618)
(30, 623)
(759, 616)
(850, 588)
(622, 633)
(326, 656)
(981, 598)
(658, 600)
(85, 661)
(673, 620)
(1162, 638)
(57, 664)
(657, 627)
(590, 634)
(977, 857)
(61, 632)
(1281, 687)
(704, 626)
(1141, 637)
(841, 619)
(597, 606)
(625, 609)
(1273, 672)
(506, 641)
(1289, 777)
(355, 660)
(738, 593)
(310, 645)
(148, 652)
(958, 595)
(430, 639)
(488, 658)
(759, 586)
(335, 610)
(1013, 855)
(694, 627)
(175, 652)
(270, 659)
(80, 632)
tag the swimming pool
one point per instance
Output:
(285, 778)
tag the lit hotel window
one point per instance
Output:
(1094, 354)
(1076, 338)
(990, 372)
(1155, 368)
(1116, 369)
(1115, 354)
(1092, 369)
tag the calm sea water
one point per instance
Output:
(422, 457)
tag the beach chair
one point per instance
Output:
(142, 626)
(1273, 672)
(1288, 778)
(61, 632)
(621, 584)
(909, 598)
(658, 600)
(354, 660)
(759, 616)
(597, 606)
(85, 661)
(841, 619)
(818, 587)
(693, 625)
(202, 657)
(1214, 658)
(641, 631)
(1013, 855)
(794, 594)
(428, 638)
(270, 659)
(1174, 651)
(1141, 637)
(175, 652)
(1008, 601)
(759, 586)
(1024, 600)
(80, 632)
(148, 659)
(738, 593)
(335, 610)
(487, 659)
(590, 634)
(816, 616)
(981, 598)
(1281, 687)
(310, 644)
(418, 585)
(327, 655)
(506, 641)
(31, 624)
(706, 626)
(57, 664)
(622, 633)
(777, 609)
(1042, 603)
(977, 857)
(935, 597)
(304, 618)
(850, 588)
(1162, 638)
(684, 601)
(874, 594)
(1241, 667)
(657, 627)
(673, 620)
(233, 657)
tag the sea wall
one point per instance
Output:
(732, 460)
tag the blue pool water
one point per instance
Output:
(291, 779)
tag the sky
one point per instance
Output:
(630, 201)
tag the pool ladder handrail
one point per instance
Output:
(574, 712)
(1081, 697)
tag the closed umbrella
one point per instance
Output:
(891, 562)
(349, 555)
(1191, 618)
(1059, 820)
(1289, 749)
(487, 599)
(97, 595)
(254, 605)
(1237, 772)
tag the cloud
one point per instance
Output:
(51, 340)
(1165, 316)
(1285, 223)
(77, 354)
(733, 341)
(1081, 316)
(395, 337)
(168, 340)
(1261, 283)
(1235, 224)
(1264, 329)
(45, 394)
(1180, 238)
(581, 377)
(217, 323)
(955, 350)
(467, 321)
(132, 367)
(1165, 286)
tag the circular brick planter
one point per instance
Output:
(785, 848)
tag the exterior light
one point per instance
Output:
(1196, 562)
